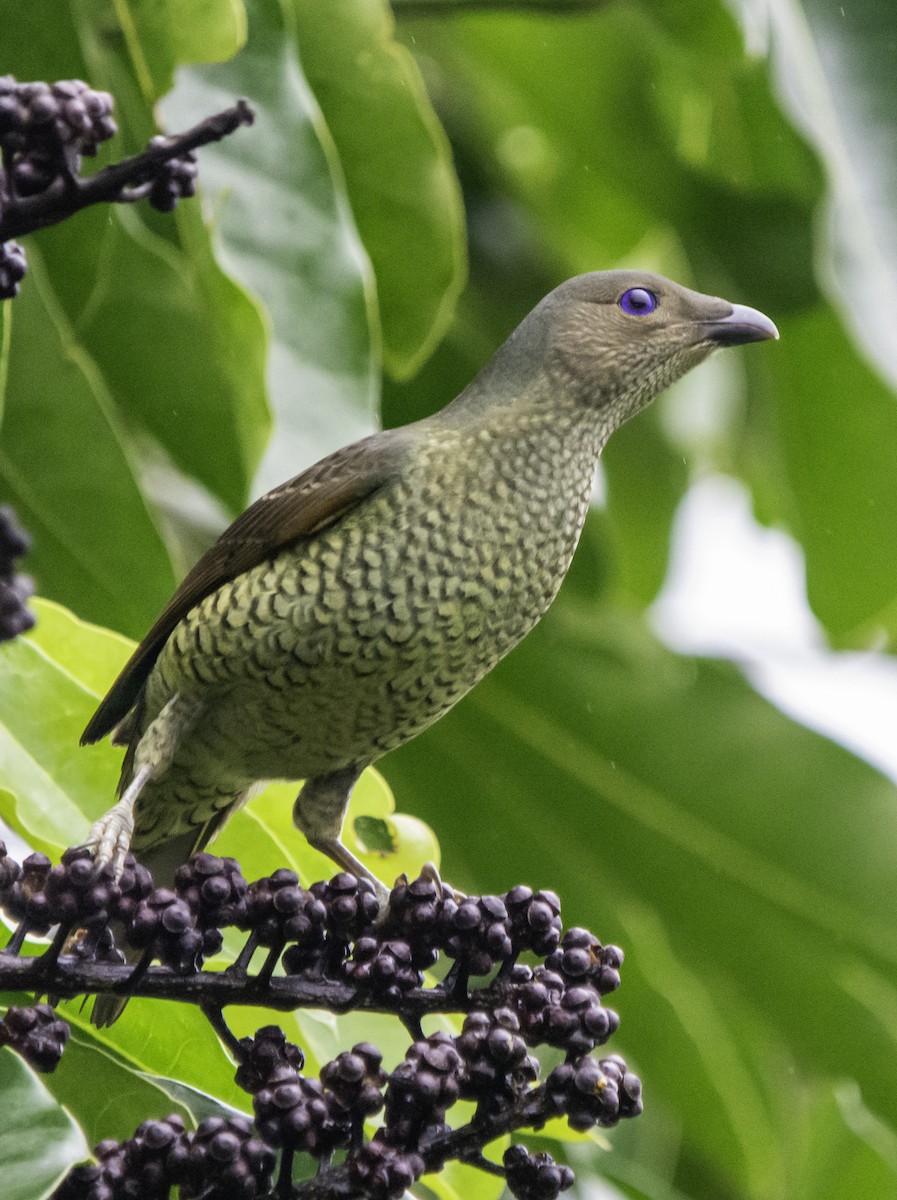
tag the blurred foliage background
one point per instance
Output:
(417, 178)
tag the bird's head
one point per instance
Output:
(616, 339)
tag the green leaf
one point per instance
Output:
(198, 386)
(846, 1150)
(181, 347)
(599, 178)
(5, 338)
(96, 546)
(51, 790)
(168, 1040)
(39, 1141)
(40, 40)
(834, 476)
(88, 654)
(646, 478)
(457, 1181)
(397, 166)
(118, 1097)
(834, 62)
(162, 34)
(202, 31)
(303, 259)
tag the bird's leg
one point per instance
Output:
(319, 812)
(110, 836)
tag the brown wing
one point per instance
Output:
(299, 508)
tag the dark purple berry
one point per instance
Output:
(12, 269)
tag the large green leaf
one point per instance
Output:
(161, 36)
(646, 478)
(39, 1141)
(40, 40)
(847, 1151)
(834, 424)
(50, 791)
(66, 465)
(285, 231)
(397, 165)
(158, 1039)
(5, 336)
(726, 848)
(834, 64)
(198, 388)
(181, 347)
(118, 1097)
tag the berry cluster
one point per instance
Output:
(339, 948)
(36, 1033)
(37, 120)
(44, 131)
(222, 1158)
(534, 1176)
(182, 927)
(592, 1092)
(315, 1116)
(73, 892)
(15, 589)
(497, 1066)
(47, 128)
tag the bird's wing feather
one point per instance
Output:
(300, 508)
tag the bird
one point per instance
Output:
(348, 609)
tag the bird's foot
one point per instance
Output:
(346, 861)
(110, 837)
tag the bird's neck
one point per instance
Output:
(522, 390)
(534, 455)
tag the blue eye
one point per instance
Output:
(638, 302)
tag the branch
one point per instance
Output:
(67, 195)
(443, 1145)
(68, 977)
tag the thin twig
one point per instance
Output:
(438, 1147)
(215, 1016)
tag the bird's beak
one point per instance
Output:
(742, 325)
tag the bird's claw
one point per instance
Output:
(109, 839)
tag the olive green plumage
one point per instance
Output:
(349, 609)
